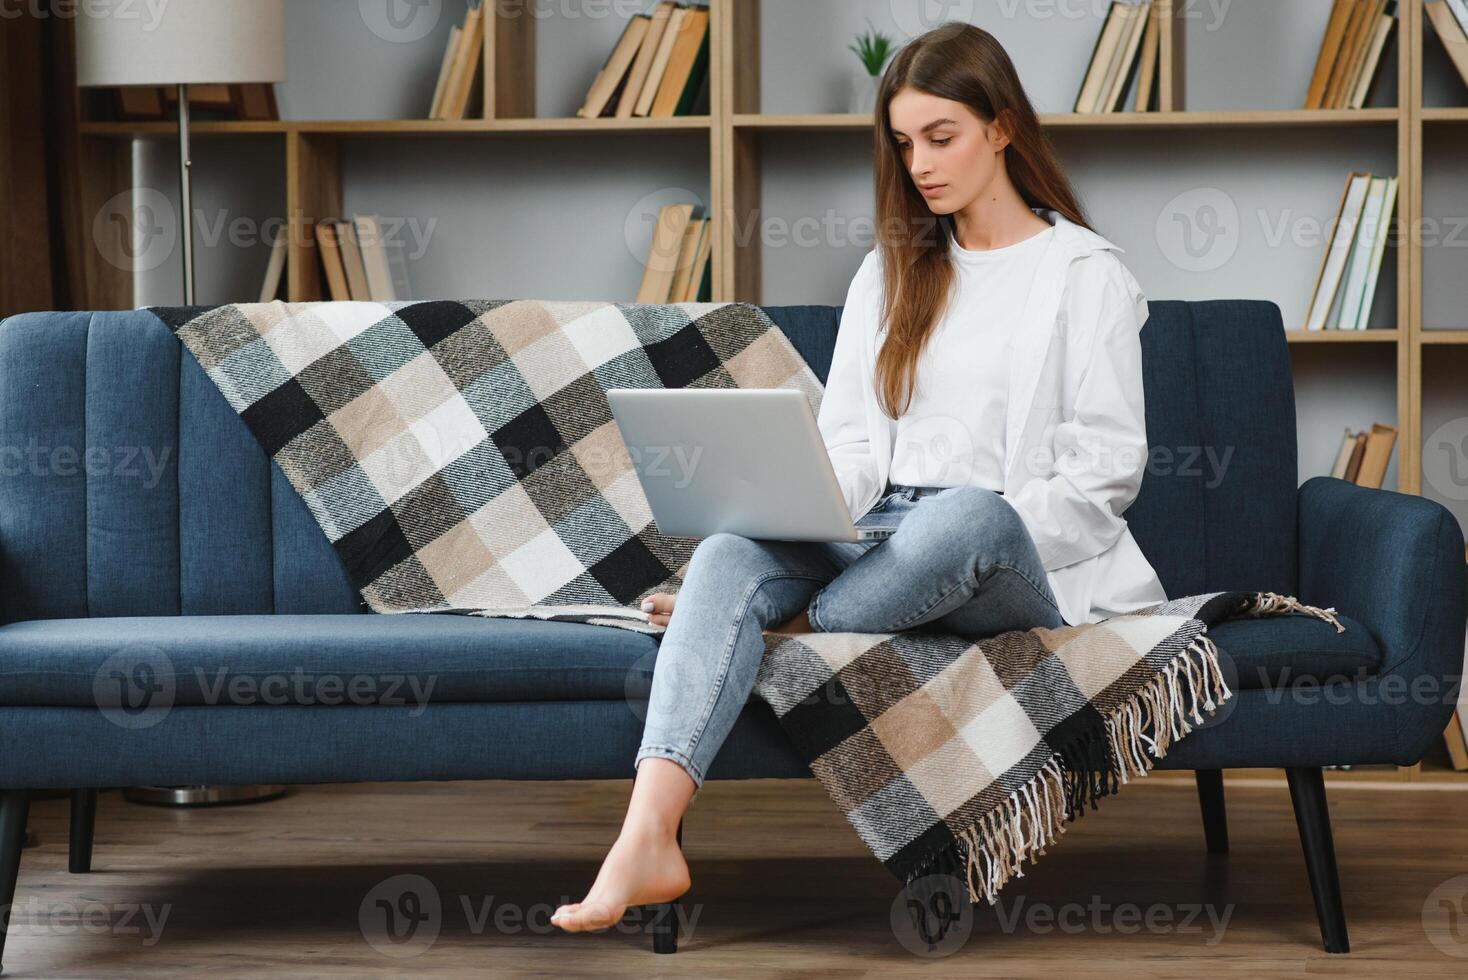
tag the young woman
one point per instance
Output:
(985, 399)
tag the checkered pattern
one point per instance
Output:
(951, 757)
(461, 456)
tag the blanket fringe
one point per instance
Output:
(987, 853)
(1273, 604)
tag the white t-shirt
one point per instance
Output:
(952, 433)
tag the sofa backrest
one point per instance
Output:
(129, 487)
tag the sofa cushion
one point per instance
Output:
(344, 659)
(1280, 650)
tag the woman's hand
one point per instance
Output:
(659, 608)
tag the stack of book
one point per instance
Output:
(658, 67)
(678, 264)
(1127, 46)
(1350, 53)
(1363, 456)
(142, 103)
(1450, 21)
(356, 261)
(462, 58)
(1346, 282)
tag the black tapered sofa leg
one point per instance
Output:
(1307, 793)
(83, 829)
(665, 918)
(15, 806)
(1215, 817)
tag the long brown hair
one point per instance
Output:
(964, 63)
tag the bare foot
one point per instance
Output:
(638, 870)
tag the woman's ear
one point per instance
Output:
(1000, 130)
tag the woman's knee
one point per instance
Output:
(980, 518)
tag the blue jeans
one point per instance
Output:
(960, 561)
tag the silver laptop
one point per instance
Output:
(744, 460)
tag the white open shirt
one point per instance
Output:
(1075, 441)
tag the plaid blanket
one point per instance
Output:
(461, 457)
(967, 759)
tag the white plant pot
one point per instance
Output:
(864, 93)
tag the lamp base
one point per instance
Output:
(202, 795)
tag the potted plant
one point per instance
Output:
(873, 48)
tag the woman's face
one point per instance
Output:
(949, 152)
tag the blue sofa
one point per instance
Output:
(156, 568)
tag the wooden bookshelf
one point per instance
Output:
(736, 128)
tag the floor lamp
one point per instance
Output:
(183, 43)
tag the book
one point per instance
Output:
(1456, 741)
(1330, 46)
(662, 256)
(687, 254)
(660, 59)
(612, 78)
(1371, 64)
(1451, 32)
(468, 56)
(331, 260)
(686, 66)
(1344, 313)
(351, 252)
(1342, 76)
(1124, 69)
(640, 76)
(1377, 453)
(1343, 456)
(1373, 275)
(1327, 280)
(275, 268)
(445, 70)
(700, 282)
(380, 287)
(1150, 61)
(1102, 58)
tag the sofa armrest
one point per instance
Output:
(1395, 563)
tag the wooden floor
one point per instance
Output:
(782, 887)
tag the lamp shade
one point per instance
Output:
(180, 42)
